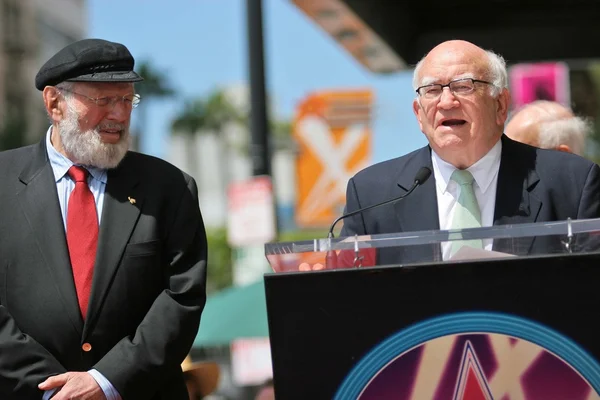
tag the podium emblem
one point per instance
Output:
(474, 356)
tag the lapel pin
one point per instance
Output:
(131, 200)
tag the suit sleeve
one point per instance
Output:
(136, 365)
(589, 207)
(355, 224)
(589, 204)
(24, 363)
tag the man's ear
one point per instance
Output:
(52, 102)
(564, 147)
(418, 110)
(503, 101)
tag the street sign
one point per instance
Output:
(251, 212)
(334, 137)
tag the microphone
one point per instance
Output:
(422, 175)
(420, 178)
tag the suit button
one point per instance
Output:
(86, 347)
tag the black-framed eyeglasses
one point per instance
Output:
(458, 87)
(129, 100)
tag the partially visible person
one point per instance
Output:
(549, 125)
(266, 391)
(201, 378)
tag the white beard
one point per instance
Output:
(87, 148)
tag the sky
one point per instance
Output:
(201, 45)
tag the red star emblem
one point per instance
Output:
(471, 383)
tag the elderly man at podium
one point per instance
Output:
(479, 176)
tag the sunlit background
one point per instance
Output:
(338, 99)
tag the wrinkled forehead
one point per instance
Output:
(448, 65)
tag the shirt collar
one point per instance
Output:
(483, 171)
(61, 164)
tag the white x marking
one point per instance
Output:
(317, 136)
(513, 362)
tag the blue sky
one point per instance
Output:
(202, 45)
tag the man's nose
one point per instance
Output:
(447, 99)
(119, 110)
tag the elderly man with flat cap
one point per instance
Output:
(102, 250)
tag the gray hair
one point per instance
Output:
(572, 132)
(497, 74)
(65, 89)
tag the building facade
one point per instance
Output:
(31, 31)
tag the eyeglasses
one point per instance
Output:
(130, 100)
(459, 87)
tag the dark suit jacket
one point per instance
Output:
(148, 288)
(534, 185)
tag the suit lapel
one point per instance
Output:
(39, 201)
(516, 200)
(419, 210)
(120, 212)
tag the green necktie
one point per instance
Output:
(466, 211)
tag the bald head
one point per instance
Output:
(460, 52)
(454, 50)
(549, 125)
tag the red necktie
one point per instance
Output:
(82, 235)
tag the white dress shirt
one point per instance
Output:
(485, 174)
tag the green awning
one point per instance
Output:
(235, 312)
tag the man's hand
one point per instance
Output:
(73, 386)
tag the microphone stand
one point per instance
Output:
(331, 258)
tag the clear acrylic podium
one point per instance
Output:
(561, 237)
(361, 324)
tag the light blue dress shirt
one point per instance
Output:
(64, 186)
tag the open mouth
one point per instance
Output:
(110, 136)
(454, 122)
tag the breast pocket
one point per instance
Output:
(144, 257)
(141, 275)
(142, 249)
(137, 282)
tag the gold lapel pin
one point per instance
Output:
(131, 200)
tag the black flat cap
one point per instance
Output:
(88, 60)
